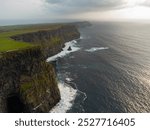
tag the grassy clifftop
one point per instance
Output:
(24, 72)
(55, 34)
(9, 44)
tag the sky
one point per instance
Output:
(34, 11)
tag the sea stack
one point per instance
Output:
(69, 49)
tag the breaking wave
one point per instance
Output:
(65, 51)
(93, 49)
(68, 95)
(68, 89)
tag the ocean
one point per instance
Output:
(107, 70)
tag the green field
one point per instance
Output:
(8, 44)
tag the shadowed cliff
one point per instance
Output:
(25, 74)
(27, 82)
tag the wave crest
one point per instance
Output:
(68, 95)
(93, 49)
(65, 51)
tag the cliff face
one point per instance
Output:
(52, 41)
(26, 76)
(27, 82)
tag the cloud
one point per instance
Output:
(80, 6)
(146, 3)
(21, 9)
(54, 1)
(61, 9)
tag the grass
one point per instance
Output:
(8, 44)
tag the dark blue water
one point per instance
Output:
(114, 79)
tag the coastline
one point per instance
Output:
(67, 92)
(68, 89)
(25, 75)
(34, 84)
(65, 50)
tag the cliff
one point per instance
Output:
(26, 76)
(81, 24)
(27, 82)
(52, 41)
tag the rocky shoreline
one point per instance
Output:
(27, 82)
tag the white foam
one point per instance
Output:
(69, 79)
(81, 37)
(68, 95)
(65, 51)
(93, 49)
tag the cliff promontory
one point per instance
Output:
(52, 41)
(27, 82)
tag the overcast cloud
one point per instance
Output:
(60, 9)
(81, 6)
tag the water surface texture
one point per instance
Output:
(111, 70)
